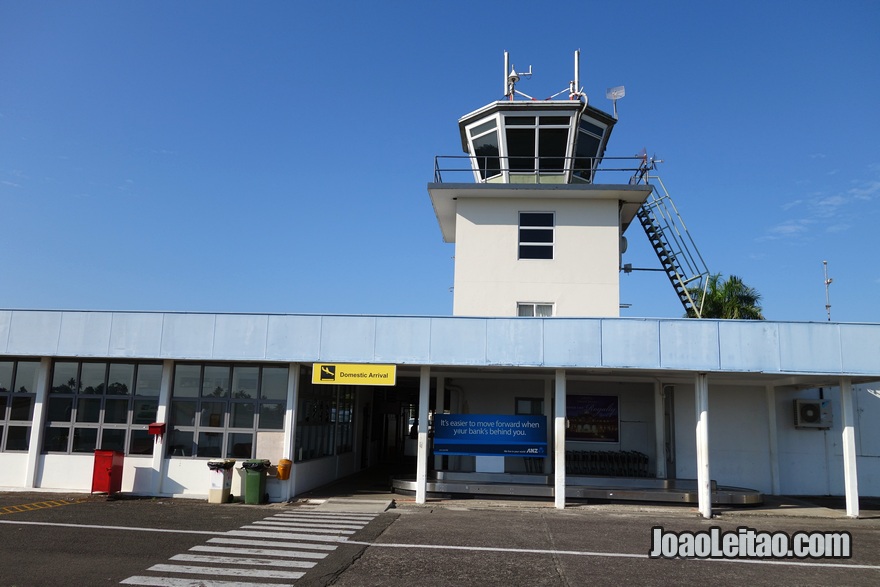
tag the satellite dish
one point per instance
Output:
(615, 93)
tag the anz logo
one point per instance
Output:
(532, 451)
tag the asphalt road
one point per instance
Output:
(48, 539)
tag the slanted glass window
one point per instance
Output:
(217, 409)
(18, 387)
(484, 138)
(589, 141)
(533, 310)
(101, 405)
(536, 235)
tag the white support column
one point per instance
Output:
(559, 440)
(850, 474)
(773, 440)
(704, 479)
(38, 424)
(162, 416)
(288, 489)
(660, 430)
(422, 463)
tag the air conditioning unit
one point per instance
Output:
(813, 413)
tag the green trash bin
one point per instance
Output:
(255, 480)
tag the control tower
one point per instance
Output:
(539, 215)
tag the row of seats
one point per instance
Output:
(606, 463)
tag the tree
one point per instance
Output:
(729, 299)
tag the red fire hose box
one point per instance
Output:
(107, 474)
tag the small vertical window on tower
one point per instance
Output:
(536, 235)
(589, 142)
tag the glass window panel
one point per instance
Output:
(113, 439)
(555, 120)
(26, 376)
(21, 408)
(119, 381)
(519, 120)
(216, 382)
(521, 149)
(592, 128)
(242, 415)
(274, 384)
(535, 235)
(552, 146)
(210, 444)
(88, 410)
(85, 440)
(5, 376)
(535, 252)
(544, 310)
(272, 416)
(92, 377)
(181, 444)
(213, 414)
(55, 439)
(149, 380)
(60, 409)
(525, 310)
(481, 128)
(140, 443)
(536, 219)
(486, 153)
(244, 382)
(585, 152)
(186, 380)
(145, 411)
(64, 377)
(240, 445)
(18, 437)
(116, 411)
(3, 399)
(183, 413)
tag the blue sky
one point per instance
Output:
(273, 156)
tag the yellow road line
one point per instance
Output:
(40, 505)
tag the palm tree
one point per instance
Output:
(730, 298)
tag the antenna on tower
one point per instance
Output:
(828, 281)
(511, 77)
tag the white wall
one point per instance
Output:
(581, 280)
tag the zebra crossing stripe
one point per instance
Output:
(309, 523)
(241, 560)
(287, 535)
(260, 551)
(300, 528)
(255, 573)
(274, 543)
(176, 582)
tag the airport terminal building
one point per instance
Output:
(534, 386)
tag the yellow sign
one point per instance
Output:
(351, 374)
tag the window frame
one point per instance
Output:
(536, 249)
(214, 429)
(534, 308)
(8, 397)
(88, 425)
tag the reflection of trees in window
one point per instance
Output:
(18, 393)
(93, 402)
(232, 396)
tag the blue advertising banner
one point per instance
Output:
(490, 435)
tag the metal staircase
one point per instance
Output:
(671, 241)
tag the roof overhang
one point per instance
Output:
(445, 196)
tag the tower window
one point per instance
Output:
(536, 235)
(533, 310)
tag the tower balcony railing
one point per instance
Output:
(538, 170)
